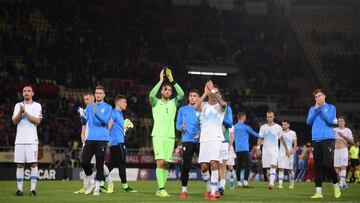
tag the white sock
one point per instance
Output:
(184, 189)
(281, 177)
(87, 181)
(232, 175)
(33, 177)
(222, 183)
(291, 176)
(84, 180)
(319, 190)
(245, 182)
(20, 178)
(214, 181)
(97, 185)
(206, 178)
(107, 175)
(272, 175)
(342, 177)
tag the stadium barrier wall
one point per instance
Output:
(44, 173)
(133, 174)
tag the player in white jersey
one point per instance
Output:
(27, 115)
(286, 162)
(344, 137)
(211, 136)
(270, 133)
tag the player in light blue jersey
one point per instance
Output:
(188, 123)
(242, 133)
(96, 117)
(321, 118)
(117, 143)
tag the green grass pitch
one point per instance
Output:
(62, 191)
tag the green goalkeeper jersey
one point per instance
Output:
(164, 112)
(226, 133)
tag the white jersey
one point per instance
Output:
(346, 131)
(289, 138)
(271, 136)
(26, 132)
(212, 117)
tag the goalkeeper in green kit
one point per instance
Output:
(163, 133)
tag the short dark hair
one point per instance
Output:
(28, 85)
(166, 84)
(317, 91)
(342, 117)
(99, 87)
(120, 96)
(286, 121)
(89, 93)
(270, 111)
(240, 115)
(217, 87)
(196, 91)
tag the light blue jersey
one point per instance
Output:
(117, 130)
(97, 124)
(242, 133)
(321, 121)
(190, 117)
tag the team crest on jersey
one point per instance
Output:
(102, 110)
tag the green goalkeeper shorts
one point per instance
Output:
(163, 148)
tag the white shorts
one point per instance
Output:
(224, 151)
(232, 157)
(341, 157)
(26, 153)
(209, 151)
(269, 158)
(286, 162)
(93, 159)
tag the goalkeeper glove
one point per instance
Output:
(169, 75)
(128, 124)
(81, 112)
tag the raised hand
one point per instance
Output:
(95, 111)
(169, 74)
(210, 85)
(207, 89)
(162, 75)
(22, 108)
(81, 112)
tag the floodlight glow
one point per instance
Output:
(207, 73)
